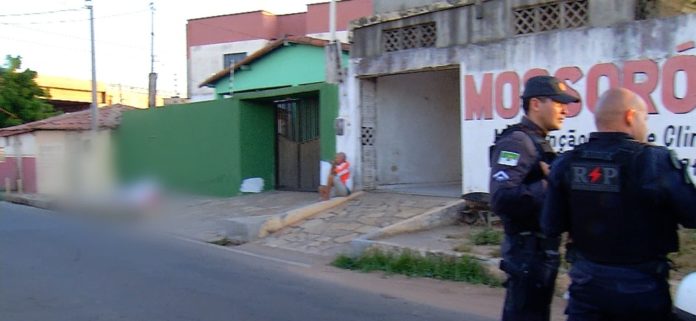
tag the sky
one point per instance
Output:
(53, 36)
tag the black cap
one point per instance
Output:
(547, 86)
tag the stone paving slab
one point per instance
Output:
(204, 218)
(331, 231)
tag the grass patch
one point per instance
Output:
(486, 236)
(462, 247)
(462, 269)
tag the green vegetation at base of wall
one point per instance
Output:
(464, 268)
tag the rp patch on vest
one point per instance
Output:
(596, 177)
(508, 158)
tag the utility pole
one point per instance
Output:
(89, 6)
(333, 49)
(152, 90)
(332, 20)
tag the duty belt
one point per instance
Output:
(529, 240)
(659, 268)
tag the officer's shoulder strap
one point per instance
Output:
(507, 131)
(674, 161)
(540, 144)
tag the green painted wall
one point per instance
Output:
(257, 129)
(210, 147)
(193, 147)
(291, 65)
(328, 102)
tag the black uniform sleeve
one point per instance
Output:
(512, 158)
(679, 191)
(555, 217)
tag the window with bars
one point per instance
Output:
(232, 58)
(550, 16)
(368, 136)
(410, 37)
(298, 120)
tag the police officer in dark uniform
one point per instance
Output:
(621, 201)
(520, 162)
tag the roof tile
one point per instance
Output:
(108, 117)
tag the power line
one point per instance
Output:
(70, 20)
(81, 38)
(37, 13)
(74, 49)
(43, 44)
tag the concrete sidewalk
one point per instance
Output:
(301, 222)
(292, 220)
(334, 230)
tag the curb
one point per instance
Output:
(440, 216)
(247, 229)
(436, 217)
(24, 199)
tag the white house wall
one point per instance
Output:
(51, 160)
(100, 164)
(418, 138)
(206, 60)
(65, 167)
(350, 141)
(656, 58)
(22, 145)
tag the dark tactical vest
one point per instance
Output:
(614, 218)
(544, 150)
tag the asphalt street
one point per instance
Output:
(55, 267)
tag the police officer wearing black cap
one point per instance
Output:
(520, 162)
(621, 201)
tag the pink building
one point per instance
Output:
(213, 43)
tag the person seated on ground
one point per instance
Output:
(338, 176)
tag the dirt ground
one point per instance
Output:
(685, 259)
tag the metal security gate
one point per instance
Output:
(297, 142)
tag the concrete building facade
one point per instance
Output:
(213, 43)
(429, 87)
(271, 124)
(70, 95)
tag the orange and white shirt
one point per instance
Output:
(343, 171)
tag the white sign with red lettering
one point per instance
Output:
(665, 80)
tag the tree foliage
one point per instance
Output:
(20, 96)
